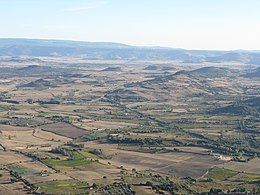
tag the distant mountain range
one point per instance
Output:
(112, 51)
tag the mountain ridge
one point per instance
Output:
(110, 50)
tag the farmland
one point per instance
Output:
(117, 127)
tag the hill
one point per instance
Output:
(254, 74)
(250, 106)
(112, 69)
(212, 71)
(38, 83)
(230, 57)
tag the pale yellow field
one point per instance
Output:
(10, 157)
(179, 163)
(50, 177)
(252, 167)
(30, 139)
(96, 175)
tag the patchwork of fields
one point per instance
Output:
(83, 126)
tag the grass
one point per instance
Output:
(49, 115)
(220, 174)
(205, 186)
(96, 135)
(20, 170)
(79, 155)
(21, 107)
(64, 187)
(46, 155)
(87, 154)
(68, 163)
(250, 178)
(136, 180)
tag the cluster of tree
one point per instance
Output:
(9, 101)
(65, 119)
(17, 178)
(97, 152)
(136, 141)
(249, 145)
(232, 146)
(70, 143)
(149, 131)
(52, 101)
(60, 150)
(165, 184)
(240, 190)
(118, 188)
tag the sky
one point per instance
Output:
(188, 24)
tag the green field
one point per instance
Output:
(64, 187)
(20, 170)
(68, 163)
(220, 174)
(250, 178)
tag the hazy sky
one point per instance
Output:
(190, 24)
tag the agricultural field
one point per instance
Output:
(78, 126)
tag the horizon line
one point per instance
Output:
(132, 45)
